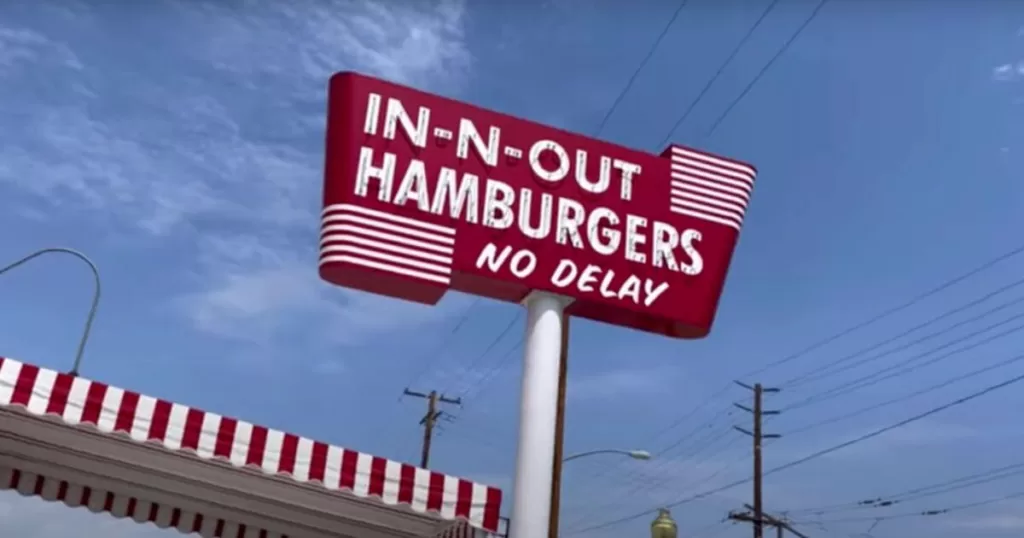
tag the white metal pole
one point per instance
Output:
(531, 500)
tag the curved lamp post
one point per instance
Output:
(556, 493)
(95, 295)
(635, 454)
(664, 526)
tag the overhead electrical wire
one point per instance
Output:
(906, 366)
(905, 371)
(931, 490)
(499, 364)
(917, 299)
(870, 321)
(485, 379)
(721, 69)
(433, 356)
(643, 63)
(468, 370)
(931, 336)
(767, 66)
(959, 378)
(901, 399)
(814, 455)
(891, 311)
(863, 410)
(654, 478)
(621, 95)
(660, 453)
(860, 411)
(825, 370)
(732, 105)
(926, 513)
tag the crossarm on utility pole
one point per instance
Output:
(429, 419)
(767, 519)
(756, 434)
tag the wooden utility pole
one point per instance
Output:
(780, 525)
(556, 469)
(430, 419)
(758, 413)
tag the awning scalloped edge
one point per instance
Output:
(78, 402)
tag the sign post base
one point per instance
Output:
(531, 501)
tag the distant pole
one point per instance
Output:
(757, 437)
(430, 419)
(91, 316)
(758, 509)
(556, 468)
(538, 415)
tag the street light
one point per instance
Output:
(664, 526)
(556, 483)
(635, 454)
(76, 365)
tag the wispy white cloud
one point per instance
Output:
(21, 46)
(1008, 72)
(217, 139)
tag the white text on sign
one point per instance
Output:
(497, 205)
(589, 279)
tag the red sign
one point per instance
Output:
(424, 194)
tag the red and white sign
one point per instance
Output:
(424, 194)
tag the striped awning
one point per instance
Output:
(78, 402)
(465, 530)
(125, 506)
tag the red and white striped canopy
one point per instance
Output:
(94, 408)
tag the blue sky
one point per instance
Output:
(179, 145)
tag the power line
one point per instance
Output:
(913, 301)
(656, 475)
(944, 384)
(908, 366)
(889, 312)
(760, 520)
(816, 455)
(870, 321)
(686, 437)
(767, 66)
(485, 380)
(823, 371)
(925, 513)
(931, 490)
(636, 73)
(651, 483)
(832, 420)
(653, 477)
(936, 334)
(721, 69)
(503, 360)
(468, 370)
(659, 455)
(639, 68)
(611, 110)
(941, 332)
(432, 357)
(429, 420)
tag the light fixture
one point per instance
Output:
(664, 526)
